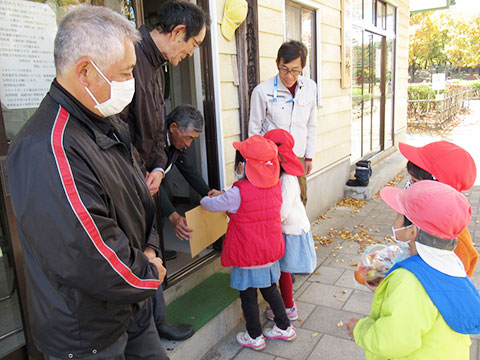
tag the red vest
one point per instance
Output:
(254, 234)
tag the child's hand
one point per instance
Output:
(351, 325)
(215, 192)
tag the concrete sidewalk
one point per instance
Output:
(327, 298)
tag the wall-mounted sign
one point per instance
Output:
(27, 33)
(429, 5)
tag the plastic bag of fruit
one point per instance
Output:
(375, 263)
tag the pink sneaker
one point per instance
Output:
(244, 339)
(274, 333)
(291, 313)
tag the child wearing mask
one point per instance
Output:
(300, 256)
(426, 306)
(449, 164)
(254, 243)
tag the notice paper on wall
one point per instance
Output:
(27, 33)
(207, 228)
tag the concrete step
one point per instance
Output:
(382, 172)
(206, 337)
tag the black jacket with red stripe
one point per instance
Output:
(84, 216)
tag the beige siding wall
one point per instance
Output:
(333, 138)
(333, 135)
(401, 95)
(230, 115)
(334, 116)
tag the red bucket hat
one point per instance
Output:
(261, 165)
(288, 160)
(449, 163)
(436, 208)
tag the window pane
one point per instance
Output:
(293, 25)
(308, 38)
(357, 95)
(389, 87)
(381, 14)
(390, 18)
(357, 10)
(26, 57)
(376, 72)
(368, 11)
(300, 26)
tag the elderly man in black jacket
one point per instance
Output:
(181, 28)
(85, 216)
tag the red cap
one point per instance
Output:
(436, 208)
(261, 165)
(288, 160)
(447, 162)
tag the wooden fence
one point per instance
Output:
(437, 113)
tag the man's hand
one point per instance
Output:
(153, 180)
(215, 192)
(150, 253)
(308, 166)
(182, 231)
(351, 325)
(161, 269)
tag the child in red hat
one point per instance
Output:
(426, 306)
(254, 243)
(300, 256)
(450, 164)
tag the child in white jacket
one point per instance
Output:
(300, 256)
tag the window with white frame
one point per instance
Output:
(300, 25)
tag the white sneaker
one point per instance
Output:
(274, 333)
(244, 339)
(291, 313)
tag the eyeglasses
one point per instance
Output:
(196, 44)
(286, 71)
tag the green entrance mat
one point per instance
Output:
(205, 301)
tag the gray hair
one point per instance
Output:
(187, 117)
(93, 31)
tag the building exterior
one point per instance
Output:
(358, 55)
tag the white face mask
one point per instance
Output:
(121, 94)
(403, 245)
(239, 176)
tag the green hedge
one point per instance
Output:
(423, 91)
(475, 86)
(357, 97)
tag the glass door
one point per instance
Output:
(377, 85)
(370, 71)
(358, 75)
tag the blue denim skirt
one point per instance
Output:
(242, 279)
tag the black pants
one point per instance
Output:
(159, 307)
(139, 342)
(251, 312)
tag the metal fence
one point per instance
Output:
(436, 113)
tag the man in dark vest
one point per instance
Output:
(184, 125)
(181, 28)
